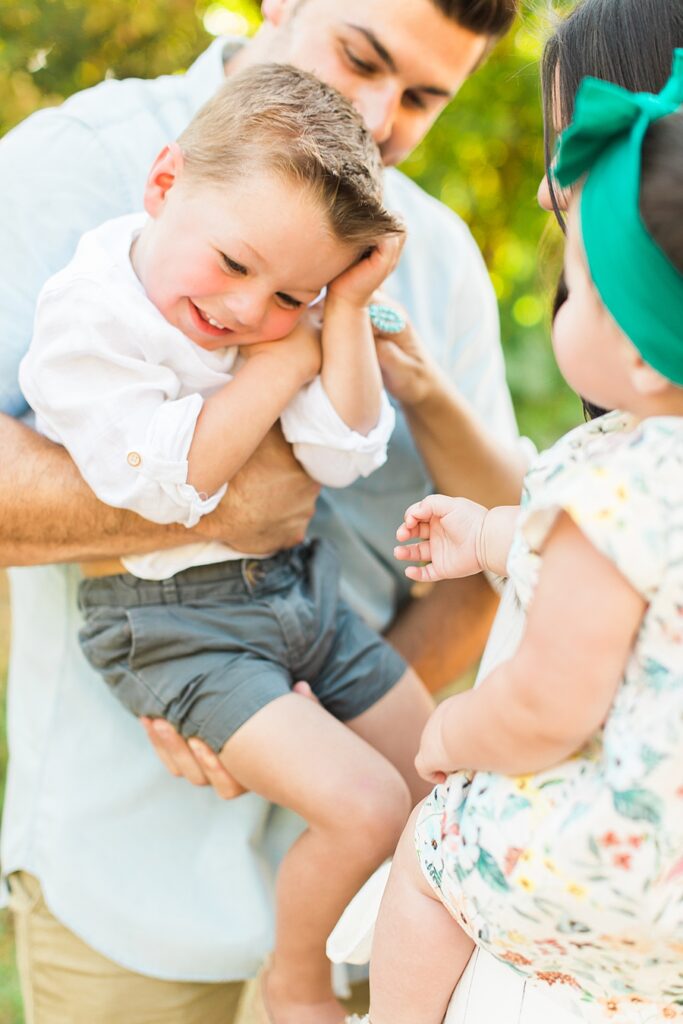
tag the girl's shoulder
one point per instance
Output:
(615, 442)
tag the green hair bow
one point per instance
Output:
(635, 279)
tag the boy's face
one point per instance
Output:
(398, 61)
(235, 264)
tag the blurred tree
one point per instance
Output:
(484, 157)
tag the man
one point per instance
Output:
(156, 889)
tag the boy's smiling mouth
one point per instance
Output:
(207, 323)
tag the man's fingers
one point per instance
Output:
(304, 690)
(173, 751)
(217, 775)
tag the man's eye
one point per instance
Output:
(288, 300)
(233, 265)
(414, 100)
(358, 64)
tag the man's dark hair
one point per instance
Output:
(483, 17)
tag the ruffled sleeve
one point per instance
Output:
(618, 500)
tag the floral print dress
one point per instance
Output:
(574, 875)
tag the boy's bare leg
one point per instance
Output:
(394, 725)
(419, 951)
(355, 802)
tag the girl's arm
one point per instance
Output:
(555, 693)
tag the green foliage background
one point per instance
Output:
(483, 158)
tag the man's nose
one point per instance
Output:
(379, 109)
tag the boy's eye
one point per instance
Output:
(233, 265)
(360, 65)
(288, 301)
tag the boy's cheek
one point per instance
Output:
(280, 323)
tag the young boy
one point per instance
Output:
(162, 355)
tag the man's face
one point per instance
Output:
(398, 61)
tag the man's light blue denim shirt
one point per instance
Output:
(158, 876)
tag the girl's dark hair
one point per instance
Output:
(661, 186)
(628, 42)
(661, 203)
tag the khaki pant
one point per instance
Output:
(64, 981)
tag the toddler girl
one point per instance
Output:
(554, 837)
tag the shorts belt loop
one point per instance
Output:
(169, 590)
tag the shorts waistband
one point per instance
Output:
(243, 575)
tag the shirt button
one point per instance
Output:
(134, 459)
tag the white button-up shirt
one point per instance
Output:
(121, 388)
(161, 877)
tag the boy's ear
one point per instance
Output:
(274, 11)
(165, 172)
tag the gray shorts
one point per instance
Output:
(209, 647)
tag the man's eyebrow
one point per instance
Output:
(386, 58)
(379, 49)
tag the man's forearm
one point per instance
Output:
(49, 514)
(444, 632)
(460, 454)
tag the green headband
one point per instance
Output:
(635, 279)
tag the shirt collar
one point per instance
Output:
(207, 73)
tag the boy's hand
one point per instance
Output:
(443, 532)
(357, 284)
(300, 348)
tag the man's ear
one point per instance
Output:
(164, 174)
(274, 11)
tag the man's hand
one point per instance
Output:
(194, 760)
(443, 532)
(268, 504)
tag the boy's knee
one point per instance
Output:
(379, 810)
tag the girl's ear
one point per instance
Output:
(165, 172)
(645, 379)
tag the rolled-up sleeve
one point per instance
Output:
(326, 447)
(122, 419)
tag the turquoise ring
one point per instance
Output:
(386, 319)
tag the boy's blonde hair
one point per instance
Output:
(276, 118)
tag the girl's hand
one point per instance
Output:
(432, 762)
(357, 284)
(443, 532)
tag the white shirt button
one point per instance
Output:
(134, 459)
